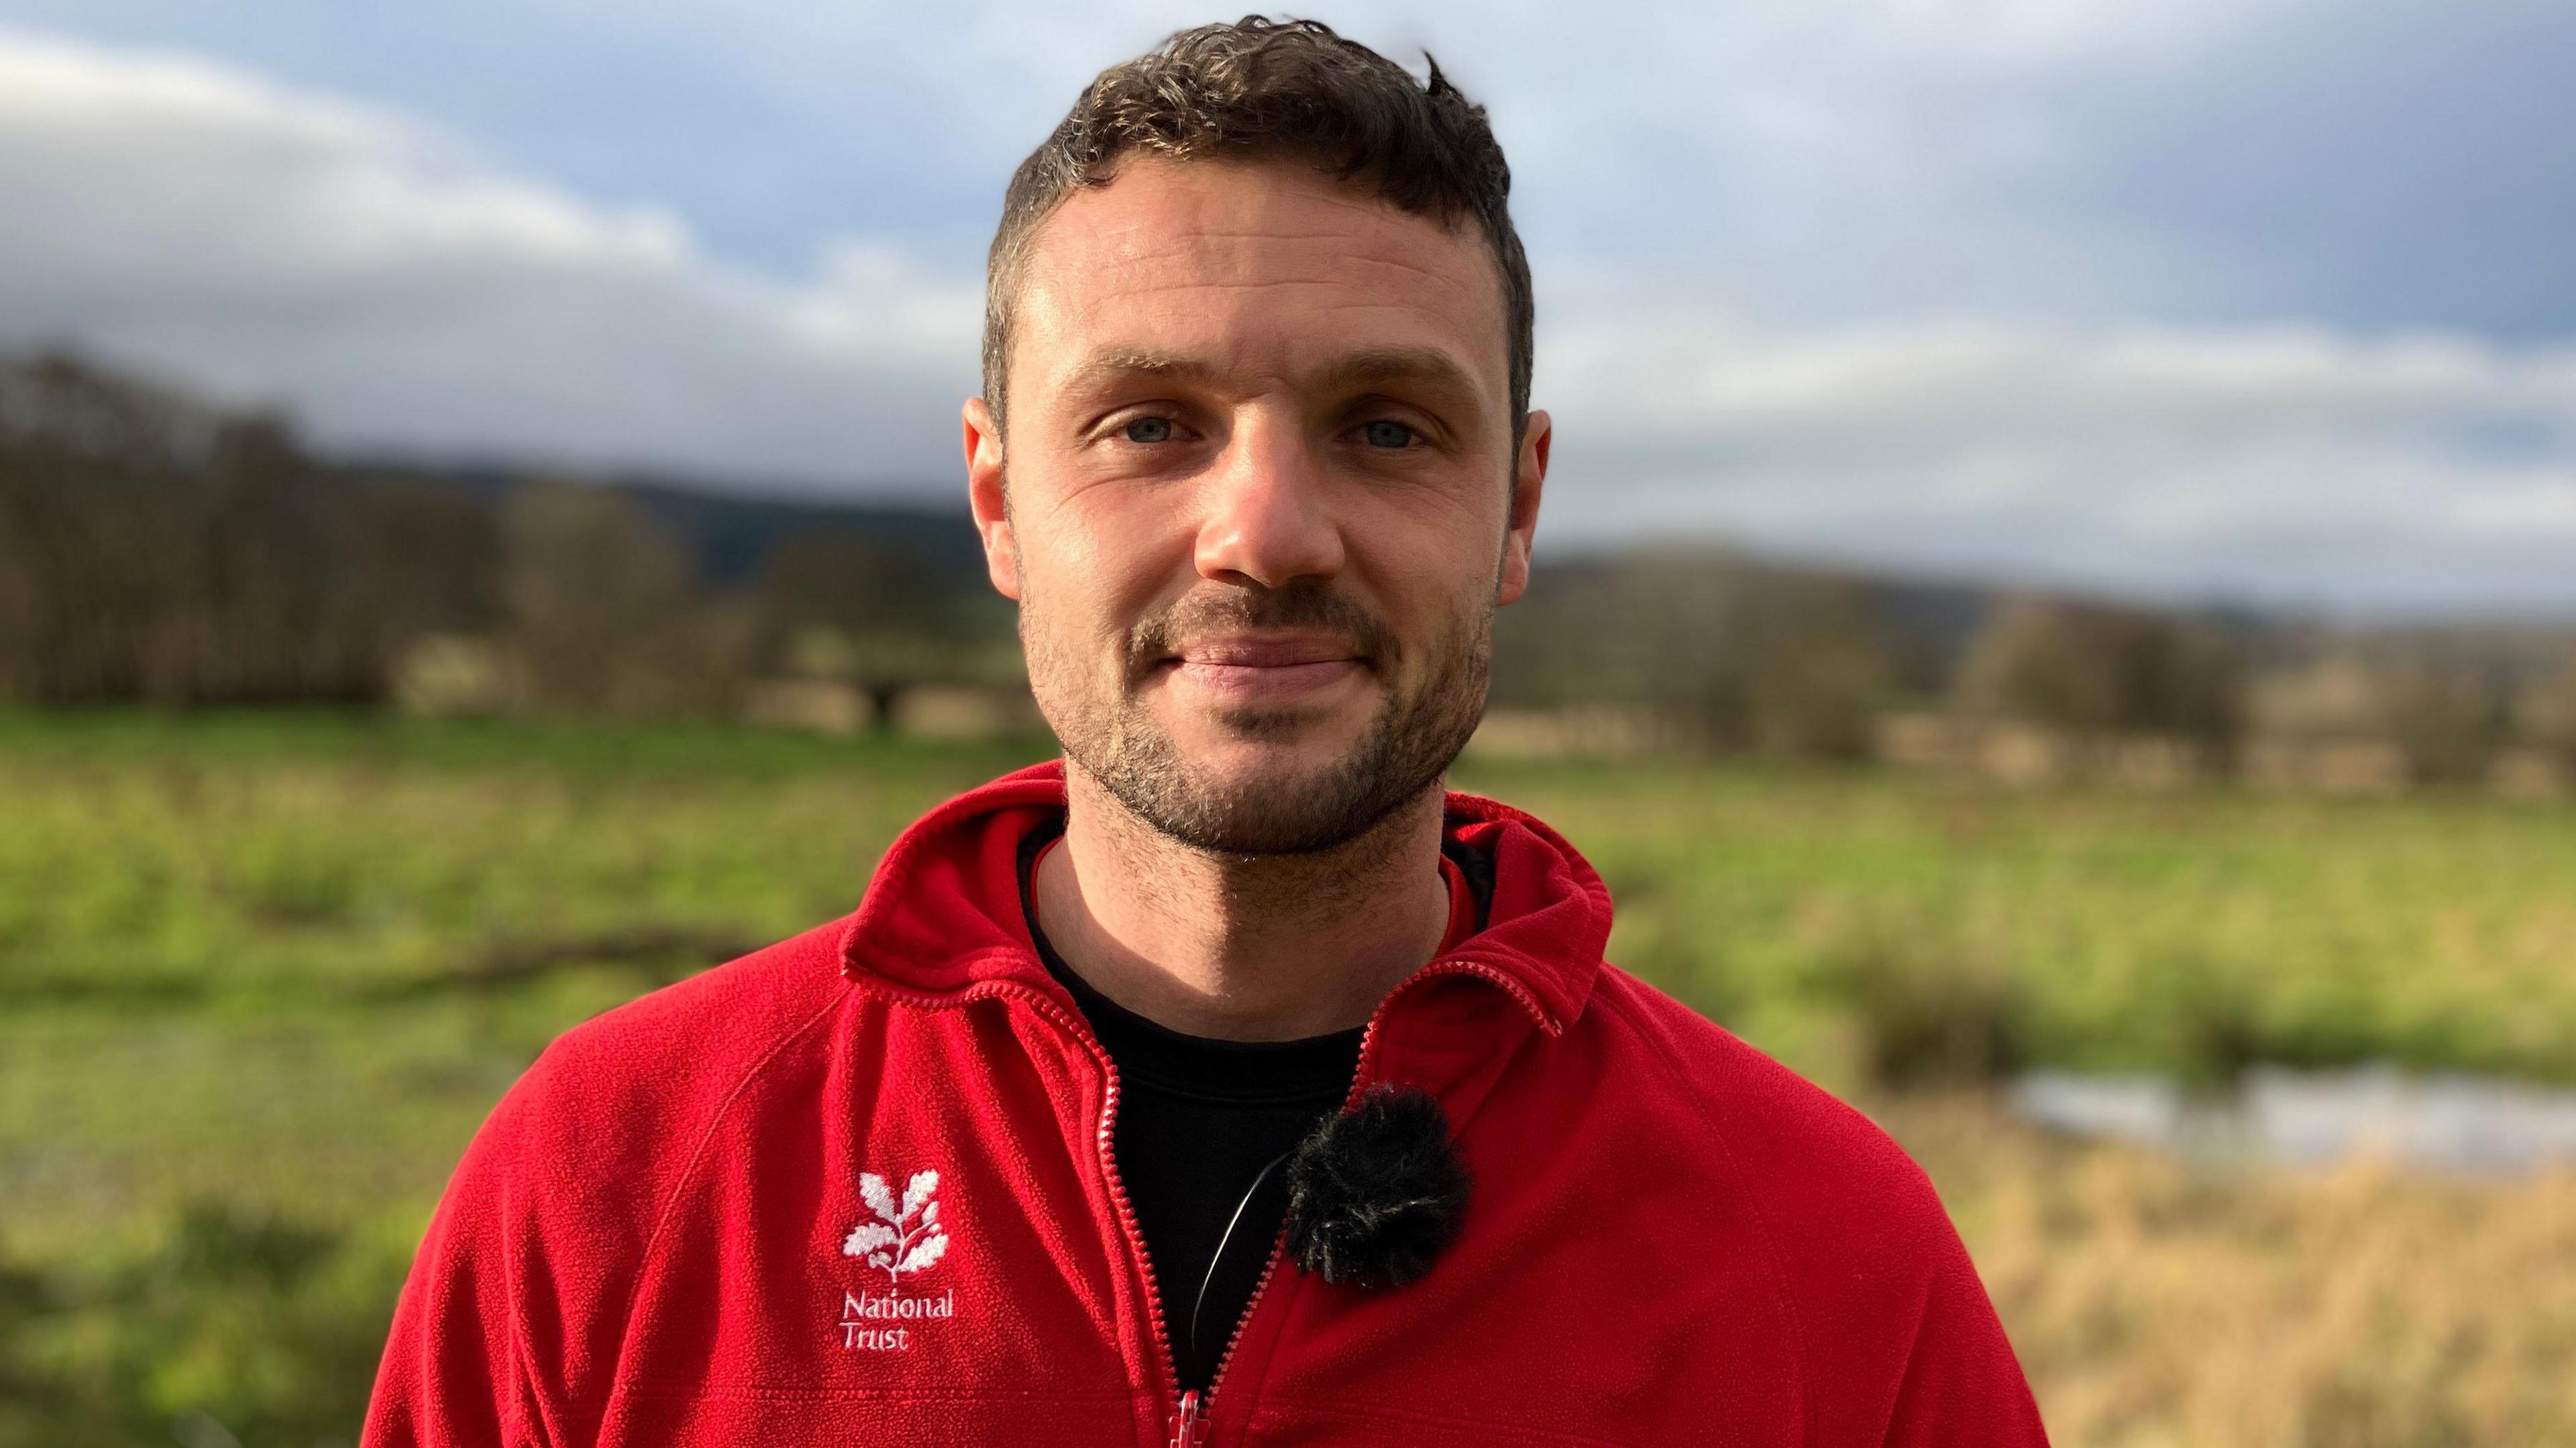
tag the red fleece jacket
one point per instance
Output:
(856, 1188)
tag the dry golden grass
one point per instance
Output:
(2156, 1305)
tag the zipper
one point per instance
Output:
(1190, 1416)
(1191, 1409)
(1189, 1424)
(1191, 1419)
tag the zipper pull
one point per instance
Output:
(1191, 1421)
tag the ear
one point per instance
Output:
(1529, 479)
(984, 497)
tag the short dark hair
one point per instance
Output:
(1258, 89)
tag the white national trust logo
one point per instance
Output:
(905, 1238)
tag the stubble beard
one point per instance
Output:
(1403, 752)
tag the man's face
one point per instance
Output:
(1259, 504)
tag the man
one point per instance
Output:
(1227, 1083)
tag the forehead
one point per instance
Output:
(1254, 269)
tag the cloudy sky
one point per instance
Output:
(2268, 300)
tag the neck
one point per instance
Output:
(1241, 947)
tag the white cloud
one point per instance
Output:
(2289, 463)
(398, 291)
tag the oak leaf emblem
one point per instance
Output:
(907, 1235)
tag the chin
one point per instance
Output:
(1251, 775)
(1268, 753)
(1272, 782)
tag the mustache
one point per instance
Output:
(1303, 604)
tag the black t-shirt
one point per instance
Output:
(1203, 1131)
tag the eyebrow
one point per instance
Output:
(1402, 364)
(1113, 363)
(1372, 364)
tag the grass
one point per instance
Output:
(262, 974)
(2357, 1308)
(1877, 927)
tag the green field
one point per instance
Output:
(261, 975)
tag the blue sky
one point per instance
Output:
(2267, 299)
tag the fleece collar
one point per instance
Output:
(942, 914)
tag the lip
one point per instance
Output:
(1265, 651)
(1268, 668)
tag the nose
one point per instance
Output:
(1265, 518)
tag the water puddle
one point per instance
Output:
(2467, 1124)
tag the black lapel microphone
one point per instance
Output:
(1376, 1192)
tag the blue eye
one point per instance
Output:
(1387, 434)
(1148, 429)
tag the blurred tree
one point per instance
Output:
(841, 604)
(605, 613)
(2545, 715)
(269, 603)
(153, 549)
(2092, 669)
(1818, 672)
(430, 558)
(1732, 653)
(2446, 716)
(88, 519)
